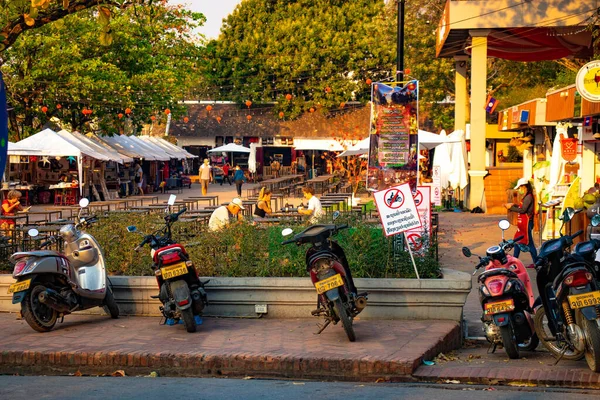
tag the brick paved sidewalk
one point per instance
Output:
(473, 364)
(388, 350)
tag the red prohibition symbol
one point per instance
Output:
(418, 198)
(414, 240)
(393, 198)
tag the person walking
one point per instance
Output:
(239, 178)
(226, 174)
(314, 205)
(263, 205)
(525, 219)
(224, 215)
(205, 176)
(139, 178)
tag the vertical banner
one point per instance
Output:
(394, 127)
(436, 176)
(419, 238)
(3, 125)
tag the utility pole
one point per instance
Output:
(400, 45)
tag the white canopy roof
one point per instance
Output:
(170, 148)
(48, 143)
(429, 140)
(318, 144)
(230, 148)
(359, 148)
(158, 152)
(103, 148)
(123, 144)
(66, 135)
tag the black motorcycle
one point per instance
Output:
(330, 273)
(180, 290)
(566, 320)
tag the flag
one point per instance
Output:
(3, 124)
(587, 121)
(490, 104)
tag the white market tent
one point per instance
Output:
(105, 149)
(153, 149)
(123, 144)
(230, 148)
(358, 149)
(48, 143)
(169, 147)
(430, 140)
(318, 144)
(66, 135)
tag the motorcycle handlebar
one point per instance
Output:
(47, 242)
(515, 240)
(288, 241)
(573, 236)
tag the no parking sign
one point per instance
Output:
(397, 209)
(418, 237)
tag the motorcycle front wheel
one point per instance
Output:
(540, 322)
(509, 341)
(38, 315)
(592, 341)
(341, 311)
(188, 320)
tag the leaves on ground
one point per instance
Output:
(118, 372)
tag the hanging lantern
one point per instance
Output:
(248, 103)
(248, 117)
(186, 119)
(218, 119)
(153, 118)
(120, 115)
(208, 108)
(369, 81)
(328, 89)
(288, 97)
(58, 106)
(84, 111)
(312, 109)
(342, 104)
(407, 71)
(281, 114)
(167, 111)
(44, 109)
(128, 111)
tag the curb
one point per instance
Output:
(235, 364)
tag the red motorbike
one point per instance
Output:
(506, 297)
(180, 290)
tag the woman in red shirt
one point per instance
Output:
(10, 206)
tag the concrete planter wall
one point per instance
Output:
(295, 297)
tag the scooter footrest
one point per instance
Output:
(155, 297)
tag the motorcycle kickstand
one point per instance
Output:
(493, 346)
(562, 353)
(322, 327)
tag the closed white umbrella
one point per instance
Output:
(230, 148)
(252, 158)
(556, 162)
(441, 159)
(458, 174)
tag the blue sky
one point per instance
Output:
(214, 10)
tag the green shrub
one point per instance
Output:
(246, 250)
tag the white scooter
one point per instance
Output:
(51, 285)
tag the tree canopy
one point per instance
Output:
(60, 70)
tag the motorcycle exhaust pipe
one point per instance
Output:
(53, 300)
(360, 303)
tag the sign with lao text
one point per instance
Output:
(419, 238)
(436, 175)
(397, 209)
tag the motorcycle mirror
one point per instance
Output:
(466, 252)
(596, 220)
(336, 215)
(524, 248)
(33, 232)
(567, 215)
(83, 203)
(172, 199)
(287, 232)
(131, 228)
(504, 224)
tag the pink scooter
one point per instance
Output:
(506, 297)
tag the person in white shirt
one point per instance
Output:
(314, 205)
(206, 176)
(224, 215)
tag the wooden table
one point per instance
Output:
(320, 182)
(212, 200)
(48, 214)
(62, 209)
(275, 183)
(153, 199)
(150, 208)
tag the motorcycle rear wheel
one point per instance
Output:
(38, 315)
(509, 342)
(341, 311)
(188, 320)
(110, 305)
(540, 322)
(592, 341)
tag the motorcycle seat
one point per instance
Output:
(38, 253)
(496, 271)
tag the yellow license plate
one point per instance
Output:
(329, 283)
(174, 270)
(19, 286)
(499, 307)
(585, 299)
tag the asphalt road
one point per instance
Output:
(90, 388)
